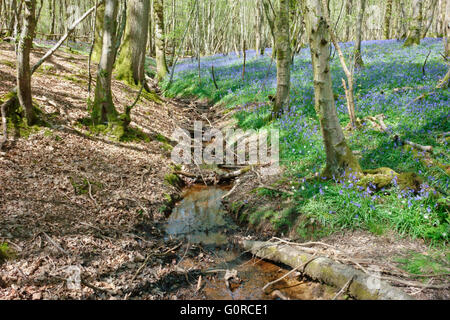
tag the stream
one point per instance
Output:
(199, 218)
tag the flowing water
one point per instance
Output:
(200, 219)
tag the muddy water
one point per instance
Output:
(200, 219)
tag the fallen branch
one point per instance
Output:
(379, 124)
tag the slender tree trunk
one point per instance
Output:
(258, 29)
(359, 63)
(161, 64)
(12, 23)
(415, 29)
(103, 110)
(387, 19)
(283, 51)
(23, 61)
(447, 30)
(131, 60)
(339, 157)
(348, 19)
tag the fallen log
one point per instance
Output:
(214, 177)
(378, 123)
(361, 285)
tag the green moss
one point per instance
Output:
(5, 252)
(173, 180)
(151, 96)
(385, 177)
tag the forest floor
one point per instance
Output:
(76, 199)
(73, 198)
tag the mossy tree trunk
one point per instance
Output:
(339, 157)
(160, 43)
(387, 19)
(103, 109)
(415, 29)
(131, 61)
(98, 41)
(359, 63)
(23, 61)
(283, 54)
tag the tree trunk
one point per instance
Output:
(23, 61)
(415, 29)
(161, 64)
(258, 29)
(339, 158)
(98, 42)
(387, 19)
(348, 19)
(359, 63)
(131, 60)
(13, 17)
(103, 110)
(283, 52)
(447, 30)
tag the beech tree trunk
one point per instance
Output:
(161, 64)
(348, 17)
(131, 60)
(359, 63)
(387, 19)
(415, 29)
(258, 29)
(283, 54)
(98, 41)
(339, 157)
(23, 61)
(103, 110)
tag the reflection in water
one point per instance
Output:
(199, 217)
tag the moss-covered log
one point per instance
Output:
(361, 286)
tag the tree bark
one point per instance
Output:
(415, 29)
(161, 64)
(359, 63)
(387, 19)
(131, 60)
(97, 51)
(339, 158)
(103, 110)
(23, 61)
(283, 54)
(447, 30)
(348, 17)
(258, 29)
